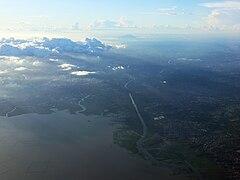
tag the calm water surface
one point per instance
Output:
(62, 146)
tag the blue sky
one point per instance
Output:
(135, 16)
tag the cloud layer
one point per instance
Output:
(223, 4)
(109, 24)
(45, 47)
(224, 14)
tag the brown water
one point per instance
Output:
(62, 146)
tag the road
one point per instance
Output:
(140, 141)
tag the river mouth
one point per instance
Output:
(65, 146)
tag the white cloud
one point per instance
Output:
(12, 60)
(36, 63)
(223, 4)
(167, 9)
(82, 73)
(224, 17)
(172, 11)
(225, 14)
(213, 17)
(168, 13)
(109, 24)
(175, 28)
(188, 59)
(21, 69)
(45, 47)
(118, 68)
(76, 26)
(124, 22)
(67, 67)
(3, 71)
(53, 60)
(120, 46)
(104, 24)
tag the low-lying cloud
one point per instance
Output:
(45, 47)
(82, 73)
(67, 67)
(21, 69)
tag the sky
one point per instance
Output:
(118, 16)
